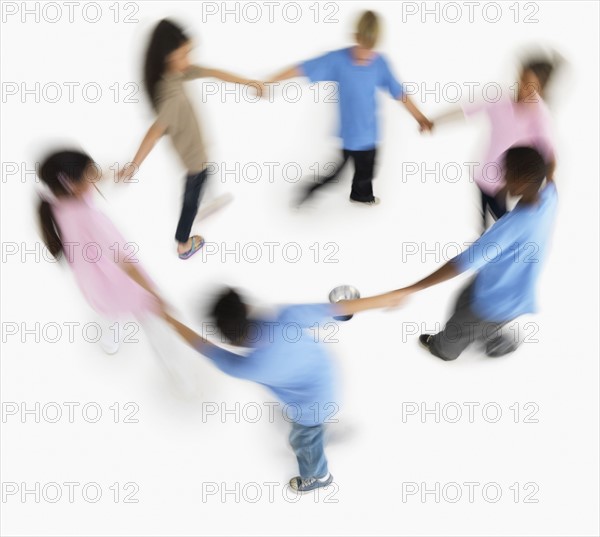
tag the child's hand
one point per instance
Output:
(425, 125)
(126, 173)
(259, 88)
(394, 299)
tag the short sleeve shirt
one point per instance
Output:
(357, 85)
(176, 113)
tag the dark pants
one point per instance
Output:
(496, 205)
(362, 186)
(307, 443)
(191, 200)
(465, 327)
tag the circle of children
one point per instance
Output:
(301, 373)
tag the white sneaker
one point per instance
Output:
(310, 483)
(109, 345)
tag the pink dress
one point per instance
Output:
(511, 124)
(92, 245)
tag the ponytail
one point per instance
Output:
(59, 171)
(50, 232)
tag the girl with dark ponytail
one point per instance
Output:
(103, 264)
(167, 66)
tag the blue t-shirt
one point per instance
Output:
(357, 85)
(287, 358)
(508, 258)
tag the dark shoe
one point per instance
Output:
(310, 483)
(374, 201)
(425, 340)
(501, 346)
(305, 195)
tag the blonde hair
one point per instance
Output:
(367, 29)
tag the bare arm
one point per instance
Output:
(444, 273)
(292, 72)
(452, 115)
(227, 77)
(385, 300)
(154, 133)
(191, 337)
(132, 271)
(423, 122)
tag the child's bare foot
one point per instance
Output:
(189, 248)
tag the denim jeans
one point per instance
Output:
(307, 443)
(191, 201)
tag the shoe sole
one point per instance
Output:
(366, 203)
(324, 485)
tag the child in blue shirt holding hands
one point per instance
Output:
(359, 71)
(507, 260)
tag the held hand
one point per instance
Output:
(259, 88)
(394, 299)
(126, 173)
(425, 125)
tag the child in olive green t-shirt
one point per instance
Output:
(167, 67)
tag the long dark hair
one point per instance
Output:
(166, 38)
(58, 171)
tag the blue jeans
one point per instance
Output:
(307, 443)
(191, 200)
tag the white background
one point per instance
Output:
(174, 450)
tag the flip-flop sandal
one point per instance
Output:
(197, 243)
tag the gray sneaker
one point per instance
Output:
(310, 483)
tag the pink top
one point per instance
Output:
(511, 124)
(92, 245)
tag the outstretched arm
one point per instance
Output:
(385, 300)
(444, 273)
(452, 115)
(292, 72)
(424, 123)
(191, 337)
(229, 77)
(154, 133)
